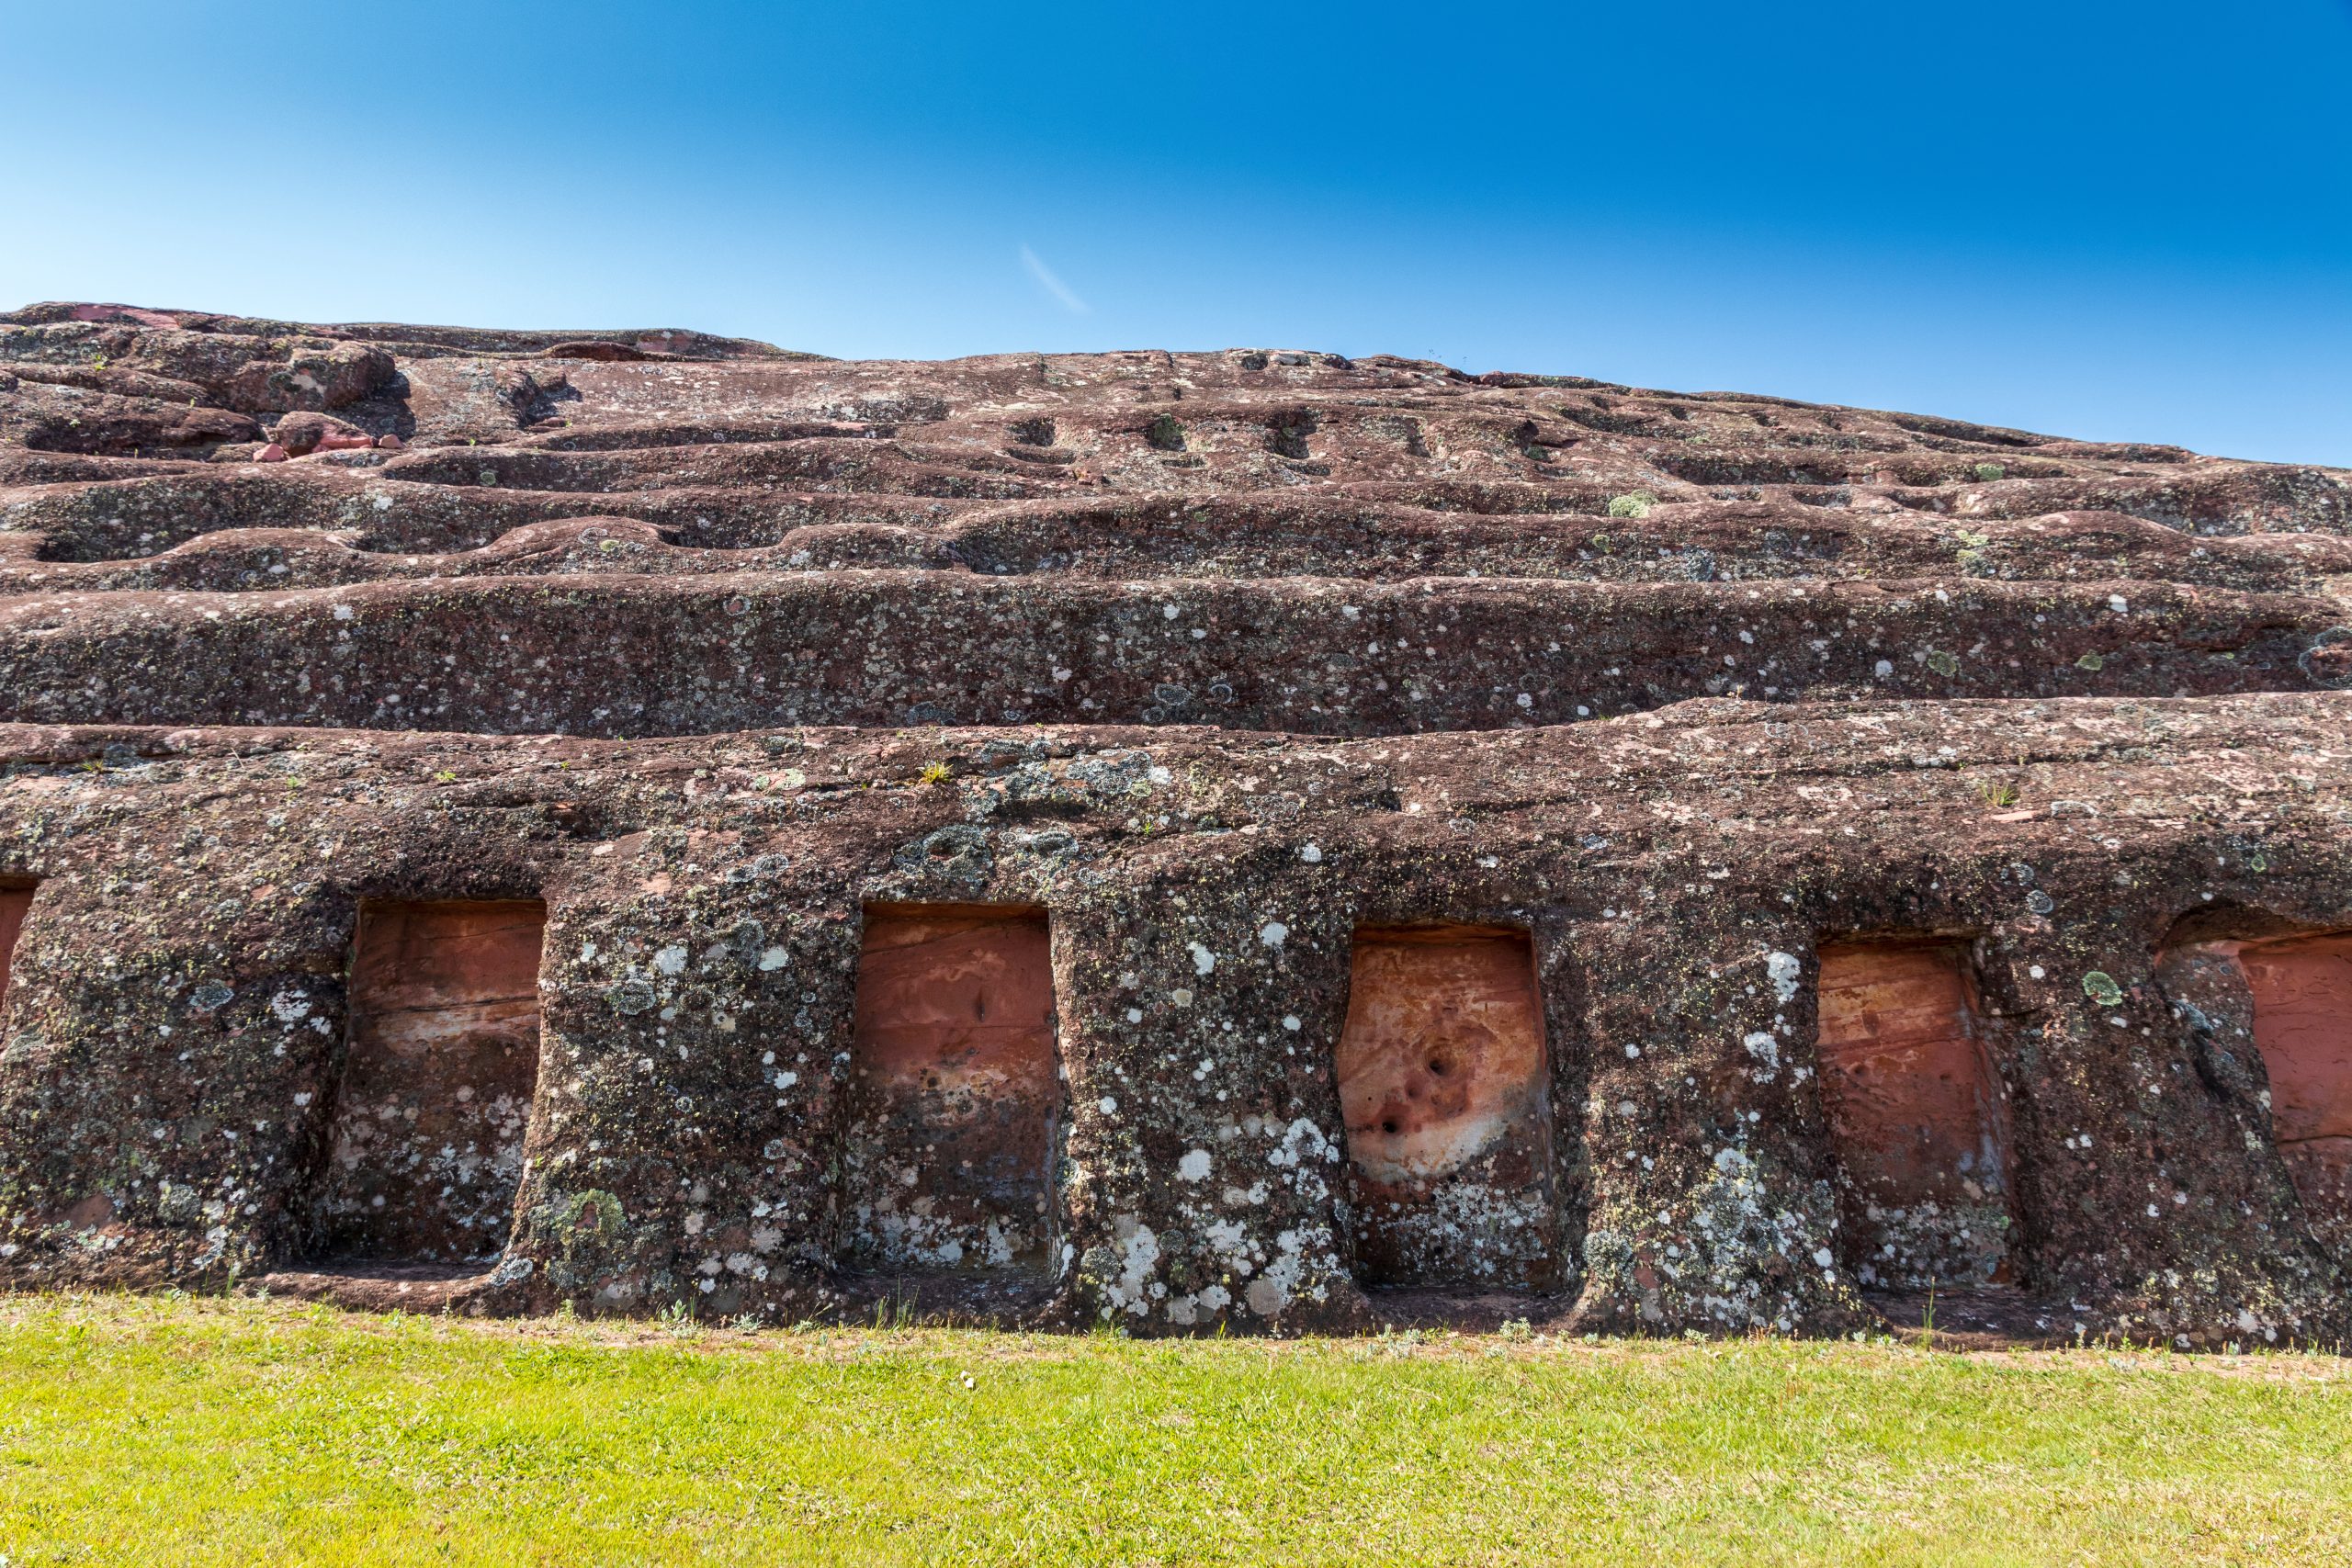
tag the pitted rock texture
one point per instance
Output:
(1677, 874)
(1442, 1078)
(1014, 833)
(643, 533)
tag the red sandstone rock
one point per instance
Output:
(955, 1092)
(425, 1144)
(112, 412)
(1223, 662)
(2303, 1024)
(1442, 1080)
(124, 314)
(1918, 1116)
(15, 899)
(302, 433)
(272, 453)
(2302, 995)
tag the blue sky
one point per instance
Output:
(2094, 218)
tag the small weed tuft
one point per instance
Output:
(896, 1309)
(1996, 794)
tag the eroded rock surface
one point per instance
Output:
(1245, 839)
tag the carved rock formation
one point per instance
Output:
(1250, 839)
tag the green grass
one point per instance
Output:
(209, 1431)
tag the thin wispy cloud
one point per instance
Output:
(1051, 284)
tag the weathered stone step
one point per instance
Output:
(816, 462)
(1132, 537)
(134, 518)
(639, 656)
(1744, 544)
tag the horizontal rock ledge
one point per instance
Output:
(645, 656)
(182, 1001)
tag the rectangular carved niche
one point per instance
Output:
(426, 1146)
(2302, 1025)
(1442, 1080)
(948, 1159)
(15, 899)
(1917, 1114)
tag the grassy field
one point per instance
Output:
(207, 1431)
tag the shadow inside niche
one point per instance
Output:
(1006, 1299)
(1981, 1318)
